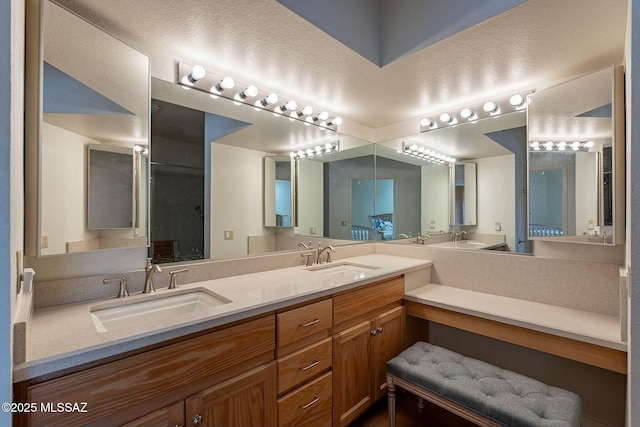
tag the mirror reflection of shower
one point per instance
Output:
(177, 183)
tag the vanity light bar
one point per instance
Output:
(561, 146)
(315, 151)
(427, 154)
(196, 77)
(476, 111)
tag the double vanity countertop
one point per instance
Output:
(65, 336)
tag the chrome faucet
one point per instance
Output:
(148, 280)
(304, 245)
(328, 249)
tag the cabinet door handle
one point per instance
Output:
(380, 329)
(315, 363)
(313, 402)
(374, 332)
(305, 325)
(197, 420)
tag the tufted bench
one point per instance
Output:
(478, 391)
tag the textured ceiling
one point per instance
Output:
(532, 45)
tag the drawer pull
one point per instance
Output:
(315, 363)
(305, 325)
(313, 402)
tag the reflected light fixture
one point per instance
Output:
(315, 151)
(249, 92)
(427, 154)
(197, 73)
(561, 146)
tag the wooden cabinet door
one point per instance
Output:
(170, 416)
(248, 400)
(387, 344)
(352, 388)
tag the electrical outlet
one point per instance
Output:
(591, 224)
(432, 225)
(228, 234)
(44, 242)
(312, 231)
(498, 225)
(343, 223)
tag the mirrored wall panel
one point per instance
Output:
(87, 136)
(575, 158)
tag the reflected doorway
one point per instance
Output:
(372, 208)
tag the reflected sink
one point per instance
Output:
(122, 314)
(472, 242)
(343, 270)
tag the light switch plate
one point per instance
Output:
(44, 242)
(312, 231)
(228, 234)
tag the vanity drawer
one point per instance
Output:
(356, 303)
(303, 322)
(298, 367)
(308, 406)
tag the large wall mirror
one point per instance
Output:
(221, 177)
(87, 137)
(483, 192)
(576, 160)
(363, 192)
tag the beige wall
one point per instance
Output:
(310, 198)
(496, 196)
(236, 198)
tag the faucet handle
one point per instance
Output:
(308, 262)
(173, 283)
(329, 252)
(123, 291)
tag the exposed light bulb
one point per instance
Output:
(589, 144)
(249, 92)
(335, 121)
(222, 85)
(468, 114)
(491, 108)
(517, 101)
(307, 110)
(323, 116)
(197, 73)
(272, 98)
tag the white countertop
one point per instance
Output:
(580, 325)
(64, 336)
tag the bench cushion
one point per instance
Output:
(503, 396)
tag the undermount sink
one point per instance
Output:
(122, 314)
(343, 270)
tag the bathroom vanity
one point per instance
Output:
(291, 347)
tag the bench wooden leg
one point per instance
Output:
(391, 394)
(420, 405)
